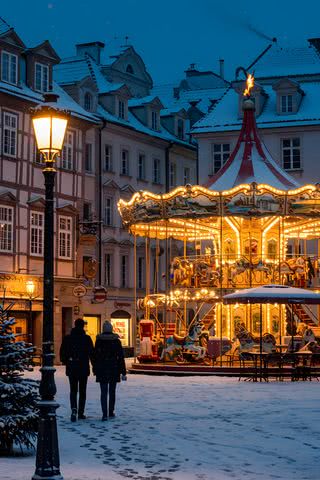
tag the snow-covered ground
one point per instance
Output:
(206, 428)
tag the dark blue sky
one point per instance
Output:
(169, 34)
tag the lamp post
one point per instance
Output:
(49, 125)
(30, 288)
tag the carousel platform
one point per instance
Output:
(173, 369)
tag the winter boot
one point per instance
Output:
(81, 416)
(104, 418)
(74, 415)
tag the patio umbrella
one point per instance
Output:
(272, 294)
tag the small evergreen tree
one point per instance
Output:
(18, 395)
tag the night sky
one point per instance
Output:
(169, 34)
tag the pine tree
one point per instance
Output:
(18, 395)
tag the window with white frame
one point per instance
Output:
(140, 279)
(65, 237)
(124, 271)
(108, 210)
(67, 151)
(10, 128)
(108, 158)
(36, 233)
(88, 158)
(9, 68)
(141, 166)
(6, 229)
(291, 153)
(173, 174)
(122, 109)
(286, 103)
(124, 167)
(156, 171)
(108, 259)
(186, 175)
(221, 153)
(154, 120)
(41, 77)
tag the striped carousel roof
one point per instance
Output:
(250, 161)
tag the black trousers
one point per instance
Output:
(108, 388)
(78, 384)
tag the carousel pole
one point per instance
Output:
(260, 342)
(135, 296)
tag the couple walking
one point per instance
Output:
(107, 359)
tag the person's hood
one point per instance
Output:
(107, 336)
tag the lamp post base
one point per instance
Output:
(47, 461)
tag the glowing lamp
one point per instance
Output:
(30, 287)
(50, 126)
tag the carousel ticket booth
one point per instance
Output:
(251, 225)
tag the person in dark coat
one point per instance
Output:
(108, 365)
(75, 352)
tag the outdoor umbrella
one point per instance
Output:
(272, 294)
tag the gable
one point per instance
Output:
(12, 38)
(45, 49)
(130, 57)
(37, 202)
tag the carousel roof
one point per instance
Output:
(250, 161)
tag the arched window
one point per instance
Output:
(129, 69)
(88, 101)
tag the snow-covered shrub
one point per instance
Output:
(18, 395)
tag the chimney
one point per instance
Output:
(221, 62)
(94, 49)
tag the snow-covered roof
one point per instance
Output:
(225, 115)
(4, 27)
(250, 161)
(279, 61)
(203, 80)
(139, 102)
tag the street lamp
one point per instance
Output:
(30, 288)
(49, 125)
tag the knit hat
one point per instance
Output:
(107, 327)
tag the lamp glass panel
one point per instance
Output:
(30, 286)
(59, 126)
(41, 127)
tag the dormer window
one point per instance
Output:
(41, 77)
(129, 69)
(9, 68)
(122, 109)
(180, 129)
(286, 104)
(154, 120)
(88, 102)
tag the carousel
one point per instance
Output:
(251, 225)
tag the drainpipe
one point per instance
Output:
(104, 124)
(167, 167)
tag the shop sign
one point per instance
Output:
(121, 328)
(99, 294)
(79, 291)
(122, 304)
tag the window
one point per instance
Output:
(291, 153)
(10, 124)
(87, 211)
(180, 129)
(186, 175)
(141, 166)
(67, 152)
(9, 68)
(108, 211)
(121, 107)
(124, 168)
(140, 281)
(65, 237)
(108, 158)
(108, 269)
(286, 104)
(124, 271)
(41, 77)
(173, 174)
(129, 69)
(221, 153)
(88, 101)
(6, 229)
(88, 158)
(156, 170)
(36, 233)
(154, 120)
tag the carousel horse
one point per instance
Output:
(181, 272)
(189, 344)
(206, 273)
(248, 341)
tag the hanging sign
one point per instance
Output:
(79, 291)
(99, 294)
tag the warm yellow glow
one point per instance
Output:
(30, 287)
(49, 132)
(249, 85)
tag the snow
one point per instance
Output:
(173, 428)
(274, 293)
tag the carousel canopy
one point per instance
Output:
(250, 161)
(273, 294)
